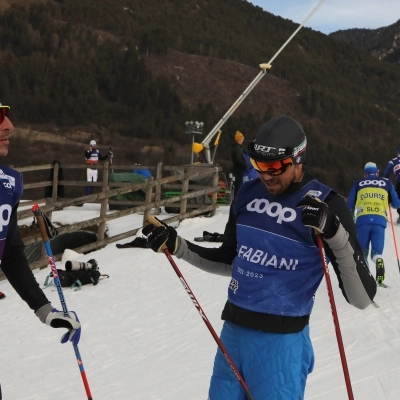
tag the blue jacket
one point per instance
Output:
(13, 261)
(10, 194)
(251, 173)
(393, 165)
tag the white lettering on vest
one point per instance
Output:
(283, 214)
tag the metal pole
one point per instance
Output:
(191, 158)
(236, 104)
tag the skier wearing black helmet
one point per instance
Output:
(270, 251)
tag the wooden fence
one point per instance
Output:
(180, 180)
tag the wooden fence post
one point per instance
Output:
(158, 187)
(54, 193)
(104, 203)
(49, 214)
(214, 196)
(148, 199)
(185, 189)
(53, 199)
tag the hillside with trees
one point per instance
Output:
(131, 73)
(383, 43)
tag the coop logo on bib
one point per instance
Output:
(8, 181)
(5, 214)
(273, 209)
(375, 182)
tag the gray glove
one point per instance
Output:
(56, 319)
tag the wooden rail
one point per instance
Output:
(177, 178)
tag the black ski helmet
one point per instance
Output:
(279, 138)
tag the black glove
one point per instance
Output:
(317, 215)
(160, 236)
(110, 154)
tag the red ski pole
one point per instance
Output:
(394, 238)
(209, 326)
(335, 317)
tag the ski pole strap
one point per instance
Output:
(43, 222)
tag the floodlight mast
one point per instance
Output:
(264, 67)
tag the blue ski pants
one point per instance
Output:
(273, 365)
(374, 234)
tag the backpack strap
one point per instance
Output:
(77, 285)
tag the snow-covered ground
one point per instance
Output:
(142, 338)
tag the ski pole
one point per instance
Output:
(209, 326)
(45, 238)
(335, 317)
(394, 237)
(264, 67)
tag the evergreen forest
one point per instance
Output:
(82, 63)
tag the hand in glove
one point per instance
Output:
(317, 215)
(160, 236)
(110, 154)
(56, 319)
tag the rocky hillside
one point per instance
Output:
(383, 43)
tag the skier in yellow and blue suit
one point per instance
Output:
(369, 199)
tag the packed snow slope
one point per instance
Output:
(143, 339)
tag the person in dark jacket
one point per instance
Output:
(13, 261)
(369, 201)
(92, 157)
(238, 161)
(270, 251)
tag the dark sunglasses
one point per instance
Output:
(4, 112)
(273, 168)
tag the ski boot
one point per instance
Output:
(380, 271)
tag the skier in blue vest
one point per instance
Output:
(394, 166)
(13, 261)
(369, 200)
(270, 252)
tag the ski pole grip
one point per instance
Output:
(40, 222)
